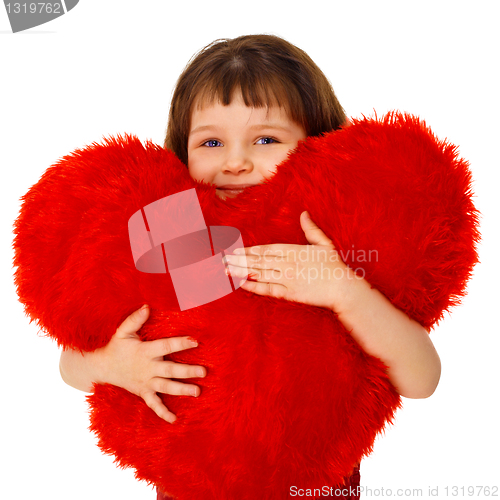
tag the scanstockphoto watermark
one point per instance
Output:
(323, 259)
(26, 15)
(311, 253)
(367, 492)
(310, 274)
(357, 492)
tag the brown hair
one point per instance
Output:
(268, 70)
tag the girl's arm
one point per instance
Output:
(137, 366)
(385, 332)
(382, 330)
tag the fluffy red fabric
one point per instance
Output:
(290, 398)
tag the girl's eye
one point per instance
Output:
(212, 143)
(266, 140)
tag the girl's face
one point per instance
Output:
(237, 146)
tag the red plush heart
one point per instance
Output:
(290, 398)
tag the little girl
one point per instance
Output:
(238, 109)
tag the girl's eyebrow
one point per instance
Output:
(202, 128)
(259, 126)
(274, 126)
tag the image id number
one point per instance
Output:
(471, 491)
(34, 8)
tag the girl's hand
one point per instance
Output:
(135, 365)
(312, 274)
(139, 367)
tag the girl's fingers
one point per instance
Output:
(169, 369)
(313, 233)
(166, 346)
(133, 323)
(156, 404)
(174, 388)
(171, 387)
(276, 290)
(239, 272)
(275, 274)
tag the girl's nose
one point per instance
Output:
(237, 163)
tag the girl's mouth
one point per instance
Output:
(232, 190)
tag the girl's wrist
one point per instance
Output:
(78, 369)
(347, 292)
(99, 366)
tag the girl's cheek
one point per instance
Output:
(199, 169)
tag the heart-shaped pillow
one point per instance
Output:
(289, 398)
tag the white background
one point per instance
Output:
(110, 66)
